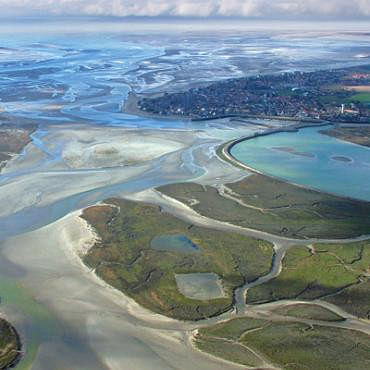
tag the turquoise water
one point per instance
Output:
(311, 159)
(174, 243)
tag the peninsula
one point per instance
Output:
(330, 95)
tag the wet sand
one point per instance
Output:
(341, 158)
(120, 332)
(90, 325)
(49, 170)
(293, 151)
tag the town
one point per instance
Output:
(340, 95)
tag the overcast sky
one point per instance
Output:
(202, 8)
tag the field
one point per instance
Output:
(288, 345)
(9, 345)
(362, 97)
(320, 272)
(270, 205)
(125, 259)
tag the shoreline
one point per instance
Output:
(98, 307)
(186, 328)
(75, 253)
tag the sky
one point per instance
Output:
(280, 9)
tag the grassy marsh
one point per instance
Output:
(336, 272)
(308, 311)
(288, 345)
(263, 203)
(125, 259)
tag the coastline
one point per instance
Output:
(100, 315)
(177, 327)
(75, 252)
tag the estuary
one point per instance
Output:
(71, 82)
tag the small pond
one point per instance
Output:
(201, 286)
(174, 243)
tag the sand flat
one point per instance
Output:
(102, 317)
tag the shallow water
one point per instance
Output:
(318, 168)
(38, 324)
(201, 286)
(174, 243)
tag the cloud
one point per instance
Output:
(198, 8)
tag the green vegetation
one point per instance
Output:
(354, 299)
(233, 329)
(335, 96)
(288, 345)
(9, 345)
(13, 140)
(363, 97)
(325, 270)
(230, 351)
(277, 207)
(222, 340)
(308, 311)
(358, 135)
(124, 258)
(300, 346)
